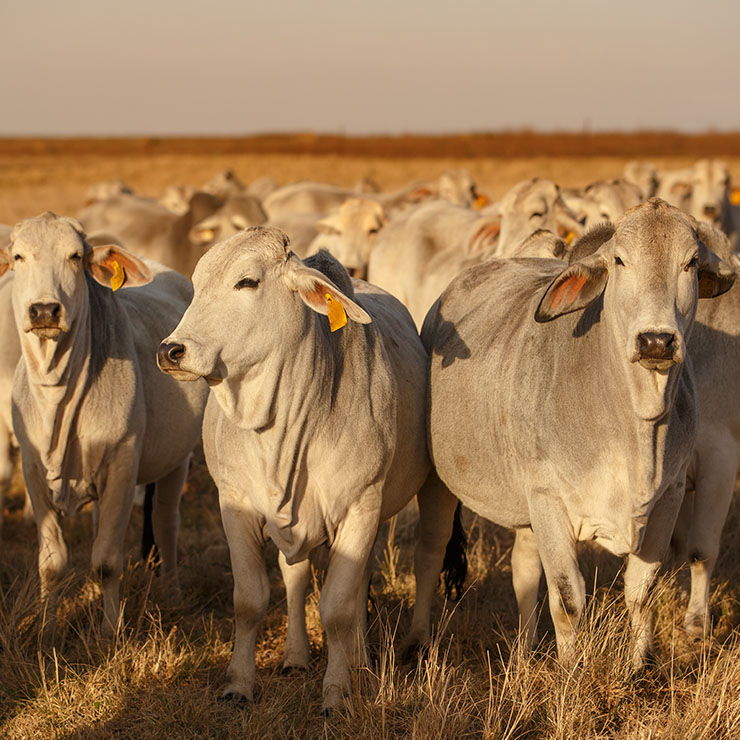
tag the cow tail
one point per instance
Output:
(455, 565)
(148, 545)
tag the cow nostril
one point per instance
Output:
(169, 355)
(55, 311)
(656, 346)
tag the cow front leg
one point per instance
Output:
(715, 482)
(642, 570)
(345, 579)
(296, 578)
(243, 530)
(53, 559)
(114, 512)
(566, 588)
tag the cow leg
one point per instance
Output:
(296, 578)
(566, 588)
(526, 573)
(53, 556)
(251, 595)
(166, 520)
(348, 558)
(642, 569)
(715, 483)
(6, 467)
(114, 513)
(436, 516)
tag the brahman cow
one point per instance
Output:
(314, 433)
(92, 414)
(562, 404)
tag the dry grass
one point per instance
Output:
(161, 677)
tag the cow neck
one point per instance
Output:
(284, 403)
(58, 374)
(648, 397)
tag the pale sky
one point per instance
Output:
(158, 67)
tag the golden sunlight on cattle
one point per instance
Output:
(368, 445)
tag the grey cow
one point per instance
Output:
(562, 404)
(314, 433)
(92, 414)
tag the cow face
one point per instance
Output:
(50, 257)
(249, 310)
(710, 189)
(651, 271)
(350, 233)
(533, 205)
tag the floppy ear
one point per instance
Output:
(5, 261)
(574, 288)
(484, 237)
(322, 296)
(544, 244)
(115, 267)
(715, 276)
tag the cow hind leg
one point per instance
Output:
(526, 574)
(166, 521)
(436, 518)
(148, 545)
(715, 482)
(296, 578)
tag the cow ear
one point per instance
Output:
(484, 237)
(115, 267)
(322, 296)
(715, 276)
(5, 261)
(574, 288)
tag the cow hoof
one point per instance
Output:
(327, 712)
(413, 652)
(235, 697)
(333, 697)
(293, 670)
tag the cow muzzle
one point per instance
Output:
(45, 320)
(657, 350)
(169, 357)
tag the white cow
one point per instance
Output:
(603, 201)
(92, 414)
(350, 233)
(562, 404)
(314, 433)
(422, 249)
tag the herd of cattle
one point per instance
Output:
(545, 360)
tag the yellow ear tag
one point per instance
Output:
(119, 276)
(735, 197)
(569, 237)
(337, 316)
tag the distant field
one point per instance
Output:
(41, 174)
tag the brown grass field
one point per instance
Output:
(161, 676)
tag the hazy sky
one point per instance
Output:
(381, 66)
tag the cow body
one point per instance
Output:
(312, 436)
(582, 425)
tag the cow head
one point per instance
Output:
(710, 191)
(253, 313)
(532, 205)
(651, 271)
(350, 233)
(51, 258)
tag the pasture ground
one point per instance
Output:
(161, 677)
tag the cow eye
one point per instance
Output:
(373, 231)
(18, 257)
(76, 257)
(537, 215)
(246, 283)
(693, 262)
(618, 261)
